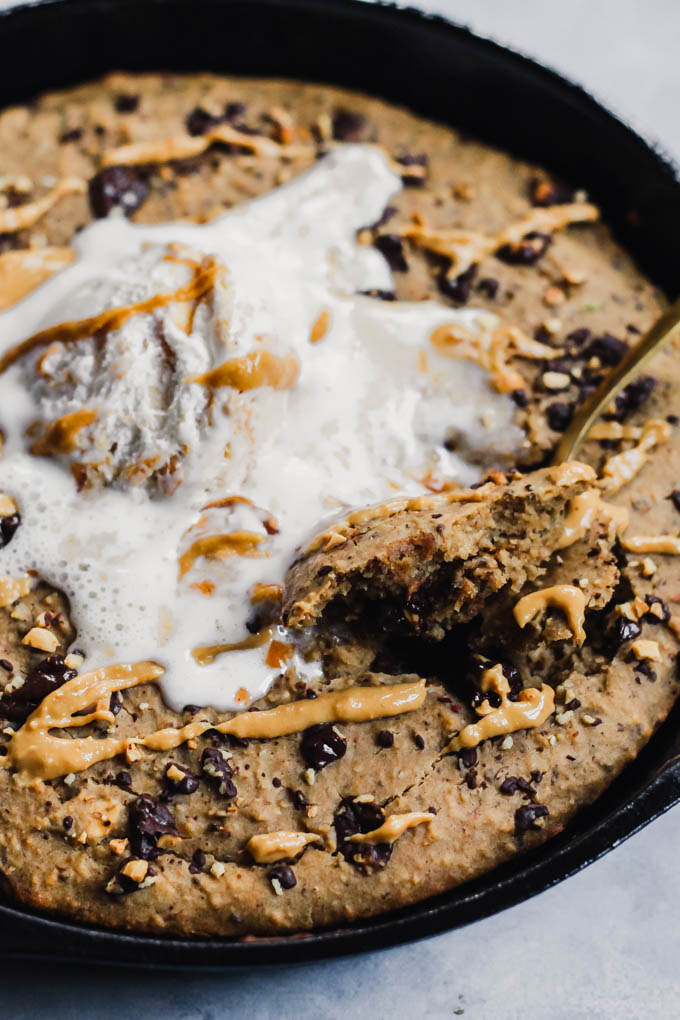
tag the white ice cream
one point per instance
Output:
(365, 421)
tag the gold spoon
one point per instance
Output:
(662, 332)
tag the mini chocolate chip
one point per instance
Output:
(71, 136)
(6, 665)
(675, 498)
(276, 782)
(457, 288)
(46, 677)
(8, 527)
(198, 861)
(520, 397)
(124, 780)
(488, 286)
(633, 396)
(536, 776)
(115, 702)
(471, 779)
(125, 103)
(654, 600)
(322, 745)
(418, 741)
(391, 247)
(284, 875)
(348, 126)
(559, 415)
(117, 187)
(609, 349)
(526, 817)
(384, 738)
(572, 705)
(187, 784)
(527, 252)
(199, 121)
(468, 756)
(148, 819)
(216, 767)
(68, 822)
(672, 419)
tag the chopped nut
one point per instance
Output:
(553, 296)
(42, 639)
(276, 886)
(648, 567)
(589, 720)
(555, 380)
(70, 779)
(15, 683)
(645, 649)
(217, 869)
(74, 661)
(119, 847)
(583, 582)
(310, 776)
(563, 718)
(135, 870)
(507, 743)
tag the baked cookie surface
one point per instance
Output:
(497, 718)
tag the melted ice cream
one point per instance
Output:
(366, 419)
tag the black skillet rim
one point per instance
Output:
(649, 787)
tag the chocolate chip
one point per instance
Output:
(571, 706)
(348, 126)
(71, 136)
(125, 103)
(625, 630)
(391, 247)
(468, 756)
(609, 349)
(516, 784)
(187, 784)
(115, 703)
(526, 817)
(384, 738)
(633, 396)
(8, 527)
(148, 819)
(299, 800)
(544, 193)
(527, 252)
(117, 187)
(216, 767)
(322, 745)
(488, 286)
(284, 875)
(276, 782)
(199, 121)
(520, 397)
(124, 780)
(46, 677)
(675, 498)
(418, 741)
(663, 617)
(412, 159)
(6, 665)
(191, 709)
(353, 817)
(457, 288)
(198, 862)
(67, 822)
(559, 415)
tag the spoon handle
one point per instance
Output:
(666, 327)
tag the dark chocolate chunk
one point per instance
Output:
(468, 756)
(8, 526)
(348, 126)
(529, 250)
(520, 397)
(6, 665)
(488, 286)
(516, 784)
(457, 288)
(322, 745)
(418, 741)
(49, 674)
(633, 396)
(187, 784)
(625, 630)
(559, 415)
(148, 819)
(216, 767)
(124, 780)
(659, 617)
(609, 349)
(351, 818)
(572, 705)
(115, 702)
(117, 187)
(199, 121)
(391, 247)
(67, 822)
(284, 875)
(526, 817)
(675, 498)
(384, 738)
(198, 862)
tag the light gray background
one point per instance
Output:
(604, 944)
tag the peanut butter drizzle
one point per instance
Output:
(61, 436)
(491, 351)
(614, 430)
(13, 588)
(259, 368)
(585, 509)
(466, 248)
(37, 754)
(278, 654)
(623, 467)
(164, 150)
(393, 827)
(220, 547)
(24, 216)
(208, 653)
(277, 846)
(266, 593)
(113, 318)
(572, 601)
(530, 710)
(320, 327)
(665, 544)
(22, 271)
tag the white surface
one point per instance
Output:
(604, 944)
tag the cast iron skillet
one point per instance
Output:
(444, 72)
